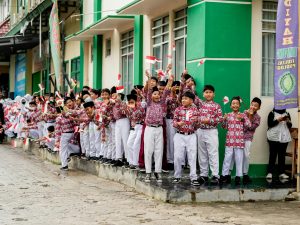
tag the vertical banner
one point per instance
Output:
(20, 79)
(55, 41)
(286, 59)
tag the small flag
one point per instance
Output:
(152, 59)
(202, 61)
(160, 73)
(41, 87)
(225, 100)
(120, 89)
(119, 77)
(173, 47)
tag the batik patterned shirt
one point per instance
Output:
(135, 115)
(212, 111)
(156, 111)
(255, 121)
(188, 115)
(172, 104)
(235, 129)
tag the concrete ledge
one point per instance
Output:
(164, 192)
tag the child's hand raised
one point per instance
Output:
(225, 116)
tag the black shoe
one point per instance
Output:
(118, 163)
(214, 180)
(69, 159)
(64, 168)
(203, 180)
(104, 160)
(108, 162)
(158, 177)
(237, 180)
(195, 183)
(132, 167)
(246, 179)
(176, 180)
(225, 179)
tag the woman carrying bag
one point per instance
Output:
(278, 134)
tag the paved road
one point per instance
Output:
(35, 192)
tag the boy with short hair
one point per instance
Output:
(185, 140)
(254, 118)
(210, 115)
(153, 137)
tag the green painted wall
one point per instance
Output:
(97, 49)
(138, 49)
(36, 80)
(97, 61)
(217, 30)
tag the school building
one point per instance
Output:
(233, 39)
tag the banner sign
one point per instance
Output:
(20, 78)
(55, 41)
(286, 59)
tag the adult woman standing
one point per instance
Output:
(278, 134)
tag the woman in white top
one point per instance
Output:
(278, 134)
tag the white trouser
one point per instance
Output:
(181, 143)
(134, 144)
(46, 125)
(51, 144)
(40, 126)
(84, 141)
(170, 140)
(34, 133)
(97, 134)
(208, 151)
(153, 143)
(112, 141)
(66, 148)
(122, 133)
(105, 145)
(92, 152)
(246, 158)
(238, 156)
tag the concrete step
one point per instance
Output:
(166, 191)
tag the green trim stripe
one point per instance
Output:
(81, 76)
(138, 50)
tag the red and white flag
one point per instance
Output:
(120, 89)
(225, 100)
(160, 73)
(202, 61)
(152, 59)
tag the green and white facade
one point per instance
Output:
(234, 38)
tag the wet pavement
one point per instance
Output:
(36, 192)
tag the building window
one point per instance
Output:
(75, 71)
(160, 38)
(108, 47)
(127, 60)
(180, 30)
(268, 46)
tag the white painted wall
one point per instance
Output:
(88, 12)
(260, 148)
(109, 7)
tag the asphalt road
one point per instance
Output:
(35, 192)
